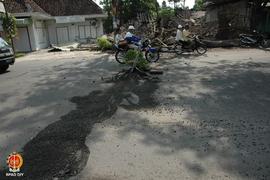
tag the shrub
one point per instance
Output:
(166, 13)
(104, 43)
(142, 63)
(9, 26)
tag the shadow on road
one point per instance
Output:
(230, 121)
(59, 150)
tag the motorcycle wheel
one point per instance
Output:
(120, 56)
(201, 49)
(178, 49)
(264, 43)
(152, 56)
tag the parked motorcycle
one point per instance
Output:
(195, 45)
(253, 40)
(151, 54)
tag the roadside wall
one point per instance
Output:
(61, 33)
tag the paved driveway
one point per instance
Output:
(205, 118)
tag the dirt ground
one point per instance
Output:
(206, 117)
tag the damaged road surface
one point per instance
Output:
(206, 118)
(59, 150)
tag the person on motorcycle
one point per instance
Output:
(118, 36)
(179, 34)
(182, 35)
(186, 35)
(133, 41)
(119, 40)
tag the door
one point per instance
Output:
(93, 32)
(82, 33)
(22, 40)
(62, 35)
(42, 40)
(87, 32)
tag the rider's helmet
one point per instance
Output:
(180, 26)
(131, 28)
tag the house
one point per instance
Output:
(44, 22)
(236, 16)
(230, 16)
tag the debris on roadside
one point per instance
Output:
(64, 47)
(221, 43)
(162, 31)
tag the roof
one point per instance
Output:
(22, 6)
(54, 7)
(69, 7)
(219, 2)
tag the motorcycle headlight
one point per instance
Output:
(146, 42)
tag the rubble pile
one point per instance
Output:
(165, 29)
(162, 32)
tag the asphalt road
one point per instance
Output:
(206, 117)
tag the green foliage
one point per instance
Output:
(9, 26)
(142, 63)
(199, 5)
(18, 55)
(130, 8)
(108, 24)
(104, 43)
(166, 12)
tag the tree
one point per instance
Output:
(128, 10)
(9, 26)
(198, 5)
(164, 4)
(107, 7)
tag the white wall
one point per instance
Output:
(51, 31)
(21, 41)
(23, 37)
(35, 38)
(44, 33)
(2, 8)
(75, 31)
(41, 34)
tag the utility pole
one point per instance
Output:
(116, 13)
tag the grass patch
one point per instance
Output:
(18, 55)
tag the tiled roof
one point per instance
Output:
(54, 7)
(69, 7)
(21, 6)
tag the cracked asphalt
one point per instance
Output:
(206, 117)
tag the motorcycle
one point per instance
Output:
(195, 45)
(253, 40)
(151, 54)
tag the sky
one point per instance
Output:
(189, 3)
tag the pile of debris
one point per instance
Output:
(162, 32)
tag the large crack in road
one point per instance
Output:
(59, 151)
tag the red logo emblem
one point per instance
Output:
(14, 162)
